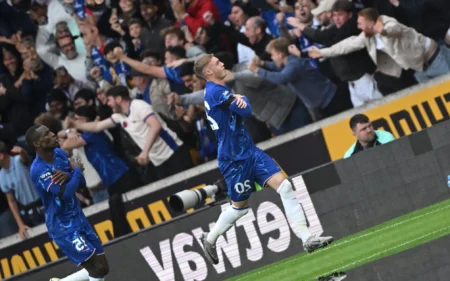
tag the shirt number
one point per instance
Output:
(80, 244)
(242, 187)
(212, 122)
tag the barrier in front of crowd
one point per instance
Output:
(148, 206)
(339, 198)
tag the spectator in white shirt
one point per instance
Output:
(70, 58)
(157, 142)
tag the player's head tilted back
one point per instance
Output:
(40, 138)
(210, 68)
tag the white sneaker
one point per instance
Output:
(316, 242)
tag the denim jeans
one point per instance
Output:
(440, 66)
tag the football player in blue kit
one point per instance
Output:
(241, 162)
(56, 179)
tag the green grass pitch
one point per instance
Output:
(386, 239)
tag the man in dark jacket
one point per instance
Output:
(355, 68)
(255, 31)
(151, 12)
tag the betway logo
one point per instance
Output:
(268, 217)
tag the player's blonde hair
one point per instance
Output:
(201, 63)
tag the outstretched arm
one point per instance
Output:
(94, 127)
(288, 74)
(156, 71)
(347, 46)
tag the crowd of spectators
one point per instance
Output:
(114, 79)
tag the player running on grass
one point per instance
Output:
(56, 180)
(241, 162)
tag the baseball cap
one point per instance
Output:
(324, 6)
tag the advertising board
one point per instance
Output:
(153, 208)
(173, 251)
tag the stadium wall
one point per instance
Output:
(339, 198)
(402, 113)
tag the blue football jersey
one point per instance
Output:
(100, 152)
(62, 212)
(227, 122)
(175, 81)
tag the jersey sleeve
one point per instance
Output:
(143, 110)
(44, 182)
(117, 118)
(64, 155)
(70, 171)
(219, 95)
(173, 75)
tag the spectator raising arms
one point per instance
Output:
(158, 144)
(393, 46)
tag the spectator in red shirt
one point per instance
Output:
(194, 13)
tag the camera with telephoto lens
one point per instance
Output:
(187, 199)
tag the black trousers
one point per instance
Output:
(339, 103)
(179, 161)
(128, 181)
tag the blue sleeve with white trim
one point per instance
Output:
(244, 112)
(45, 182)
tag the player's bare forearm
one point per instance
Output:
(72, 143)
(153, 135)
(96, 126)
(89, 127)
